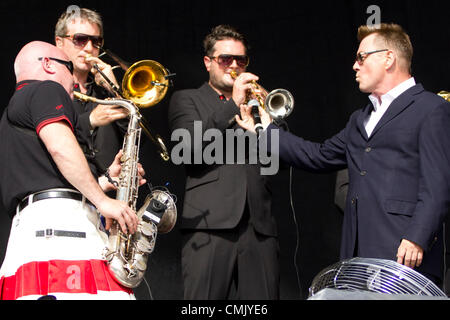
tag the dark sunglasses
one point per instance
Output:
(81, 39)
(225, 60)
(68, 64)
(361, 56)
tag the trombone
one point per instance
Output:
(145, 83)
(445, 95)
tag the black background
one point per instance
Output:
(305, 47)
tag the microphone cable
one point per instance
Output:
(297, 231)
(149, 289)
(283, 124)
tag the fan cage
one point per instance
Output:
(374, 275)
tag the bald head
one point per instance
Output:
(27, 65)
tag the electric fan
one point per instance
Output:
(374, 275)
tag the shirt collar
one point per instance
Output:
(393, 93)
(89, 83)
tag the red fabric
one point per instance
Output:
(48, 121)
(58, 276)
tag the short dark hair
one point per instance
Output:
(394, 37)
(222, 32)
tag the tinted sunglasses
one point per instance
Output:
(68, 64)
(226, 60)
(81, 39)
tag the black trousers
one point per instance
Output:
(230, 264)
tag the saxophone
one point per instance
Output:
(127, 255)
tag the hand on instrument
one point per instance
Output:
(103, 115)
(114, 171)
(246, 120)
(119, 211)
(105, 68)
(243, 85)
(409, 254)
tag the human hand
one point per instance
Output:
(114, 171)
(246, 120)
(103, 115)
(105, 68)
(116, 210)
(409, 254)
(242, 85)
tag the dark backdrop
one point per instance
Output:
(305, 47)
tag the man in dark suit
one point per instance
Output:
(230, 246)
(397, 151)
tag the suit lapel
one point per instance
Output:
(398, 105)
(360, 120)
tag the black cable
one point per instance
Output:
(148, 288)
(283, 124)
(294, 216)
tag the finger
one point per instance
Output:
(414, 259)
(131, 219)
(400, 255)
(118, 156)
(419, 258)
(121, 221)
(408, 258)
(108, 223)
(141, 170)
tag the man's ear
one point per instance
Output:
(391, 59)
(207, 61)
(58, 42)
(47, 65)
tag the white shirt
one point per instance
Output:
(380, 108)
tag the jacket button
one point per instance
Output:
(368, 149)
(363, 173)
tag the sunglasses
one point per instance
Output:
(361, 56)
(68, 64)
(226, 60)
(81, 39)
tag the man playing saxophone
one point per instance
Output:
(47, 187)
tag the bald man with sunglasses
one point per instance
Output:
(80, 36)
(230, 245)
(47, 186)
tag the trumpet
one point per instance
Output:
(145, 84)
(279, 103)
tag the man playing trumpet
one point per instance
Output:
(80, 35)
(230, 246)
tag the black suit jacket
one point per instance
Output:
(398, 177)
(216, 195)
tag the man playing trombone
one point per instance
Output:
(80, 35)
